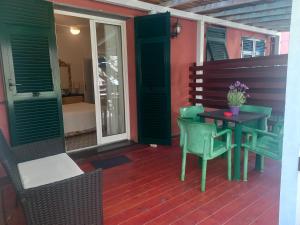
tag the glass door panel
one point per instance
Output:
(109, 77)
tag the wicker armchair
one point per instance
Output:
(73, 201)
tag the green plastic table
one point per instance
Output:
(238, 120)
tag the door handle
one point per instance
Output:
(299, 164)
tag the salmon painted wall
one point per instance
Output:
(284, 42)
(233, 41)
(183, 53)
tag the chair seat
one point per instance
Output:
(47, 170)
(218, 145)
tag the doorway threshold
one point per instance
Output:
(108, 149)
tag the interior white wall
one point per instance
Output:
(74, 49)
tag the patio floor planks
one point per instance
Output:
(148, 191)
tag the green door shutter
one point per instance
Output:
(216, 44)
(31, 72)
(152, 36)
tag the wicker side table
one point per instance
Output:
(4, 181)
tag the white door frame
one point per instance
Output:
(122, 24)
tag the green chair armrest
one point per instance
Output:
(259, 132)
(223, 132)
(228, 134)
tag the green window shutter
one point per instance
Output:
(31, 60)
(152, 36)
(31, 72)
(36, 120)
(216, 44)
(260, 48)
(247, 48)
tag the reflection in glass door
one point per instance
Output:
(111, 104)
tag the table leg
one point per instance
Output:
(259, 160)
(237, 151)
(224, 126)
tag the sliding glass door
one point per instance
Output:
(110, 80)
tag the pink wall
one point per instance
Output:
(284, 43)
(234, 41)
(183, 53)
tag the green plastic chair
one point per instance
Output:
(258, 109)
(191, 113)
(264, 143)
(202, 140)
(260, 124)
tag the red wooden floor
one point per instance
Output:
(148, 191)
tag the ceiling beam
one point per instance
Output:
(174, 3)
(275, 12)
(279, 28)
(273, 23)
(266, 19)
(221, 5)
(256, 8)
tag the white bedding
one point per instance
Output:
(79, 117)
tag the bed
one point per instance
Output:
(79, 118)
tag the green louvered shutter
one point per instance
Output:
(247, 48)
(152, 37)
(31, 72)
(216, 44)
(260, 48)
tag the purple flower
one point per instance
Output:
(238, 87)
(237, 83)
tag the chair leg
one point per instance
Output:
(203, 178)
(245, 164)
(183, 165)
(229, 164)
(262, 163)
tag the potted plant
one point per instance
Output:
(237, 96)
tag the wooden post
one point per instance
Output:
(290, 177)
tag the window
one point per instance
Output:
(252, 47)
(216, 44)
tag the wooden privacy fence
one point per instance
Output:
(265, 76)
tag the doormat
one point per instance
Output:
(109, 163)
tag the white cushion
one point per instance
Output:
(47, 170)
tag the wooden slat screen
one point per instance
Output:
(265, 76)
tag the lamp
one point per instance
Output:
(176, 29)
(74, 30)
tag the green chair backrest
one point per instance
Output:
(198, 136)
(191, 111)
(278, 127)
(262, 124)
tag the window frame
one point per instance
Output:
(254, 41)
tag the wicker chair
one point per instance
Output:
(72, 201)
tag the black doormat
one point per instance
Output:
(112, 162)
